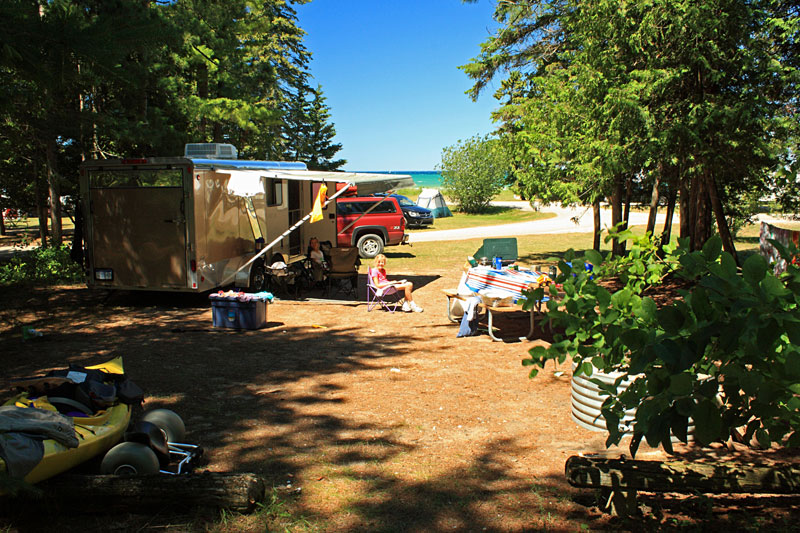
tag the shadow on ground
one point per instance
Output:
(262, 401)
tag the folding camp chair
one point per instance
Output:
(388, 297)
(505, 247)
(343, 268)
(315, 276)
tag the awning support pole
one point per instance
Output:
(284, 234)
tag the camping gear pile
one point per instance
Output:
(69, 416)
(239, 310)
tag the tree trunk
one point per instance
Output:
(682, 476)
(616, 212)
(217, 132)
(41, 208)
(704, 220)
(651, 218)
(597, 228)
(95, 154)
(698, 197)
(672, 196)
(55, 192)
(2, 221)
(719, 213)
(76, 253)
(202, 92)
(685, 207)
(238, 492)
(626, 217)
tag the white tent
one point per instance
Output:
(432, 199)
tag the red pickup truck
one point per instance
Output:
(370, 224)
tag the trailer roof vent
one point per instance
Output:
(210, 151)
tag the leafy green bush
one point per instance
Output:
(725, 354)
(473, 172)
(42, 265)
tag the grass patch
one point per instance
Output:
(26, 231)
(437, 257)
(506, 195)
(32, 223)
(411, 192)
(275, 515)
(496, 215)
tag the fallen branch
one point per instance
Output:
(239, 492)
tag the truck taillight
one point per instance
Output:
(193, 265)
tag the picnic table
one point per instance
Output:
(500, 291)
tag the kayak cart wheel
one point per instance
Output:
(129, 458)
(169, 422)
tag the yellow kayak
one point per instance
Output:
(96, 433)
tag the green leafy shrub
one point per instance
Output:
(473, 172)
(725, 353)
(42, 265)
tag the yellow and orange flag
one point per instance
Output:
(316, 213)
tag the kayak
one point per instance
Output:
(96, 430)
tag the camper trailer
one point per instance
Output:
(202, 221)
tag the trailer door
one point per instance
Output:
(138, 228)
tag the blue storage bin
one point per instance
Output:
(239, 315)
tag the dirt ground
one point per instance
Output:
(361, 421)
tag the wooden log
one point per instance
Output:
(239, 492)
(680, 476)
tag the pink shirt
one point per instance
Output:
(380, 275)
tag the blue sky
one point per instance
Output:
(389, 72)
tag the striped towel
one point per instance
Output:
(503, 283)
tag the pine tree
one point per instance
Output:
(319, 131)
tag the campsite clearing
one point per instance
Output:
(358, 420)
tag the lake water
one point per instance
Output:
(427, 179)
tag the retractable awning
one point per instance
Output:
(247, 182)
(366, 183)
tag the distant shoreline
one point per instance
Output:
(427, 179)
(394, 171)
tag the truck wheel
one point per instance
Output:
(257, 278)
(369, 245)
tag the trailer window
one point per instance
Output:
(274, 192)
(103, 179)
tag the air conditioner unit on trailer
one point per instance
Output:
(210, 151)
